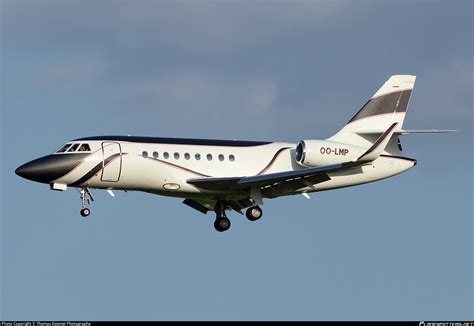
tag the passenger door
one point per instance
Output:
(111, 161)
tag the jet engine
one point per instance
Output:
(314, 153)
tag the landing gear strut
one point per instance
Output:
(222, 223)
(254, 213)
(86, 198)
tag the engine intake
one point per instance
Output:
(300, 150)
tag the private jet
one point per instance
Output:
(226, 175)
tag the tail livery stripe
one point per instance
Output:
(389, 103)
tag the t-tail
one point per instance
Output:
(387, 106)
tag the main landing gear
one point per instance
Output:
(86, 199)
(222, 222)
(254, 213)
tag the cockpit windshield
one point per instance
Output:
(74, 147)
(63, 148)
(84, 148)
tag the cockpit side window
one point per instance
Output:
(63, 149)
(73, 148)
(84, 148)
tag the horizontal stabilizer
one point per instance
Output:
(404, 132)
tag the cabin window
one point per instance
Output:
(155, 155)
(209, 157)
(197, 156)
(84, 148)
(221, 157)
(186, 156)
(166, 155)
(145, 154)
(231, 158)
(63, 149)
(73, 148)
(176, 156)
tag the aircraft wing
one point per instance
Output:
(277, 183)
(294, 179)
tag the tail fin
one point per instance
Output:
(386, 107)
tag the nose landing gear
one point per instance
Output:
(86, 199)
(85, 212)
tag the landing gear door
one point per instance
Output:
(111, 161)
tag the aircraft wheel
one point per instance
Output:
(222, 224)
(85, 212)
(254, 213)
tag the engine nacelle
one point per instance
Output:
(314, 153)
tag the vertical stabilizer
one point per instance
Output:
(387, 106)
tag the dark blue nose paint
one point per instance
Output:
(49, 168)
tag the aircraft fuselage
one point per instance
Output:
(163, 166)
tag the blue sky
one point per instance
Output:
(397, 249)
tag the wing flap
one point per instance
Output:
(285, 187)
(221, 184)
(205, 205)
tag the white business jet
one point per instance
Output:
(222, 175)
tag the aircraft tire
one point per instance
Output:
(85, 212)
(254, 213)
(222, 224)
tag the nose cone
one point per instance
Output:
(24, 171)
(48, 168)
(39, 170)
